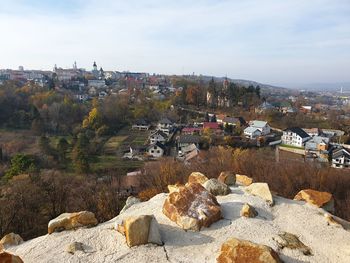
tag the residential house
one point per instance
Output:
(341, 158)
(97, 83)
(265, 106)
(141, 125)
(306, 109)
(262, 126)
(312, 131)
(191, 131)
(295, 137)
(166, 125)
(212, 126)
(135, 151)
(156, 150)
(220, 118)
(231, 121)
(184, 141)
(252, 132)
(317, 146)
(158, 136)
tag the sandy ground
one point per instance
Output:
(104, 244)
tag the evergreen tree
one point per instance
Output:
(81, 154)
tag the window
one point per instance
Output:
(152, 151)
(158, 151)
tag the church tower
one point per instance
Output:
(94, 66)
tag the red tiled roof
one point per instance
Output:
(211, 125)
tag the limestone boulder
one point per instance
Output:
(228, 178)
(140, 230)
(11, 239)
(67, 221)
(262, 190)
(6, 257)
(320, 199)
(248, 211)
(215, 187)
(130, 201)
(192, 207)
(243, 180)
(197, 177)
(288, 240)
(235, 250)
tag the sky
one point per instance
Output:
(279, 42)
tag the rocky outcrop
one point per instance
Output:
(227, 177)
(140, 230)
(291, 241)
(243, 180)
(130, 201)
(11, 239)
(74, 247)
(6, 257)
(320, 199)
(67, 221)
(262, 190)
(197, 177)
(235, 250)
(192, 207)
(216, 188)
(248, 211)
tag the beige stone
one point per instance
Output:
(67, 221)
(243, 180)
(242, 251)
(320, 199)
(248, 211)
(227, 177)
(197, 177)
(140, 230)
(192, 207)
(262, 190)
(11, 239)
(6, 257)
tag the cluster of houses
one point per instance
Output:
(317, 144)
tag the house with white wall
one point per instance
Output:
(295, 137)
(156, 150)
(158, 136)
(252, 133)
(262, 126)
(341, 158)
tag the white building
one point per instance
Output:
(156, 150)
(165, 125)
(252, 132)
(262, 126)
(158, 136)
(295, 137)
(341, 158)
(141, 125)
